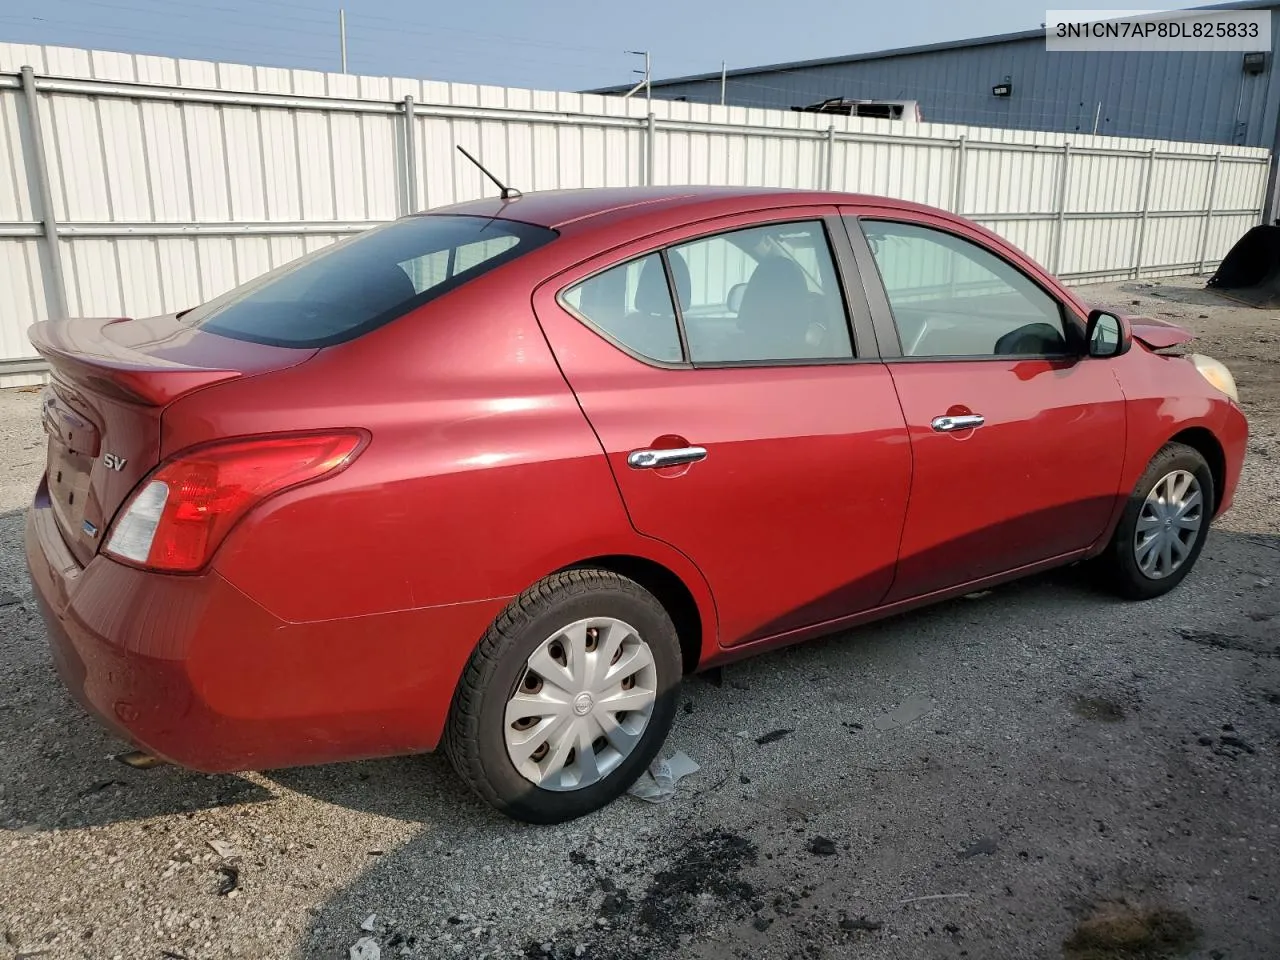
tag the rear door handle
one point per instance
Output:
(648, 459)
(965, 422)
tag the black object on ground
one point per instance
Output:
(771, 736)
(1250, 272)
(822, 847)
(230, 880)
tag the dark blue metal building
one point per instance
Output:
(1213, 97)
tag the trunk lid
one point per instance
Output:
(111, 380)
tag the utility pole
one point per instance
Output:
(342, 36)
(644, 82)
(648, 88)
(722, 79)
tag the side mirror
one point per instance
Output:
(1107, 335)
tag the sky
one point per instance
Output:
(546, 44)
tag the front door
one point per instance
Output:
(739, 423)
(1018, 438)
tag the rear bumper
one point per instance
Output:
(193, 671)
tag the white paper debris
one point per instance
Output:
(369, 921)
(366, 948)
(909, 711)
(658, 783)
(223, 849)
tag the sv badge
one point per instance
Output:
(113, 462)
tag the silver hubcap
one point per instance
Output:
(582, 704)
(1168, 524)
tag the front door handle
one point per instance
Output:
(964, 422)
(648, 459)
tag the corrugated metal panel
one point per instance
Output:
(1106, 183)
(1225, 231)
(167, 196)
(1000, 182)
(1033, 237)
(1090, 246)
(22, 281)
(15, 194)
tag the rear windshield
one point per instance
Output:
(346, 289)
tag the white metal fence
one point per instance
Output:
(134, 185)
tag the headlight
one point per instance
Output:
(1217, 374)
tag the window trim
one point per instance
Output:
(563, 304)
(887, 324)
(863, 317)
(673, 291)
(823, 216)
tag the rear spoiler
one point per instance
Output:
(80, 351)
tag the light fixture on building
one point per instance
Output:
(1255, 62)
(1002, 90)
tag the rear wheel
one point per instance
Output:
(568, 697)
(1163, 527)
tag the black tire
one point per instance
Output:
(474, 736)
(1117, 568)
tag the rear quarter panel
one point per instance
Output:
(482, 475)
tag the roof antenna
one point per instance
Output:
(507, 193)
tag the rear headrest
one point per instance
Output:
(652, 295)
(734, 300)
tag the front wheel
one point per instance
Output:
(1163, 527)
(568, 697)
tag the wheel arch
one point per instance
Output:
(1205, 443)
(669, 589)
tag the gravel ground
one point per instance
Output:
(979, 779)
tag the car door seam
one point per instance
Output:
(1118, 492)
(613, 476)
(911, 476)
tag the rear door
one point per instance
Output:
(743, 422)
(1018, 438)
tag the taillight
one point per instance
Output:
(180, 515)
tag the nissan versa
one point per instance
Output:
(496, 476)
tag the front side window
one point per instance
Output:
(338, 292)
(952, 298)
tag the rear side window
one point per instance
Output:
(341, 291)
(631, 305)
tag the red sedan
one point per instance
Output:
(499, 475)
